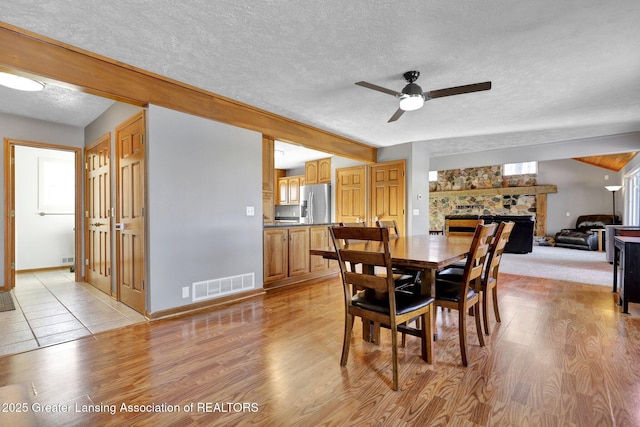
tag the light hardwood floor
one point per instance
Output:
(563, 355)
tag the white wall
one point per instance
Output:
(201, 177)
(580, 192)
(41, 241)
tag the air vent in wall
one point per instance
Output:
(215, 288)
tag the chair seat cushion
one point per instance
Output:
(405, 301)
(450, 291)
(450, 274)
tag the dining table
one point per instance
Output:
(424, 252)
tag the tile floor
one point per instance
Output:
(51, 308)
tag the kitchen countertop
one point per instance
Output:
(294, 224)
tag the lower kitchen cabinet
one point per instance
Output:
(286, 254)
(275, 249)
(298, 251)
(319, 239)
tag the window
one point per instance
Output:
(433, 176)
(520, 168)
(632, 198)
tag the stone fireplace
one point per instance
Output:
(485, 191)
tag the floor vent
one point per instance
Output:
(215, 288)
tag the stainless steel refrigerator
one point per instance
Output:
(315, 204)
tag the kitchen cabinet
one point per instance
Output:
(318, 239)
(275, 251)
(298, 251)
(286, 254)
(268, 213)
(268, 179)
(289, 190)
(318, 171)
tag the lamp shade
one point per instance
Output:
(411, 102)
(613, 187)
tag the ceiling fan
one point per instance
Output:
(412, 97)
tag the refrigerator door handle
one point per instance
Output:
(310, 207)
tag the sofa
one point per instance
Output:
(582, 236)
(521, 239)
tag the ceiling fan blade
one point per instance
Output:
(457, 90)
(378, 88)
(396, 115)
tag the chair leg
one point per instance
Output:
(478, 325)
(394, 352)
(462, 318)
(348, 325)
(495, 302)
(485, 315)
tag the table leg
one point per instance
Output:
(428, 287)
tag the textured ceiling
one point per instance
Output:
(560, 69)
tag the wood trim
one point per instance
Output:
(531, 190)
(292, 280)
(204, 305)
(53, 61)
(541, 215)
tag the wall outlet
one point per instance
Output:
(185, 292)
(250, 211)
(568, 214)
(416, 212)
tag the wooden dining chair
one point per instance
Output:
(377, 298)
(402, 276)
(462, 226)
(465, 293)
(490, 276)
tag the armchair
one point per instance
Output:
(582, 236)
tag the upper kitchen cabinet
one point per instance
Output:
(318, 171)
(289, 190)
(267, 163)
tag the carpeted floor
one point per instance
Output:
(550, 262)
(6, 302)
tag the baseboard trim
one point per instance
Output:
(203, 305)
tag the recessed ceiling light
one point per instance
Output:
(20, 83)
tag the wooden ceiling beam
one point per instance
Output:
(74, 68)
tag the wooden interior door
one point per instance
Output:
(387, 195)
(351, 193)
(130, 224)
(9, 217)
(98, 214)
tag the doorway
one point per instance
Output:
(52, 203)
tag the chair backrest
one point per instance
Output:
(353, 224)
(497, 249)
(477, 256)
(391, 225)
(462, 227)
(371, 249)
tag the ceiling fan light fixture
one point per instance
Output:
(20, 83)
(411, 102)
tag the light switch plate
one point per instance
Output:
(416, 212)
(250, 211)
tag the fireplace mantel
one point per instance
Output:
(500, 191)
